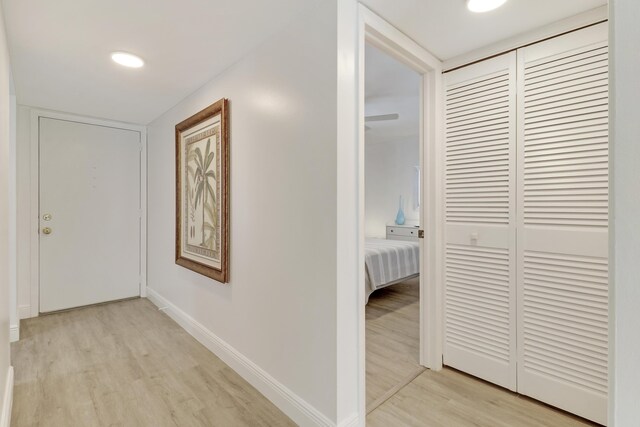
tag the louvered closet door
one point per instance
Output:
(562, 222)
(479, 214)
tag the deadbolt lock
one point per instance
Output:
(46, 217)
(46, 230)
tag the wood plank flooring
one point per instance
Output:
(392, 339)
(433, 399)
(450, 398)
(126, 364)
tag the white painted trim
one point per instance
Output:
(291, 404)
(375, 30)
(36, 114)
(360, 193)
(24, 312)
(569, 24)
(7, 403)
(34, 247)
(350, 330)
(352, 421)
(13, 211)
(14, 333)
(383, 35)
(143, 212)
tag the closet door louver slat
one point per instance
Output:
(562, 194)
(479, 213)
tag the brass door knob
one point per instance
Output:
(46, 230)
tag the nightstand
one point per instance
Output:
(402, 232)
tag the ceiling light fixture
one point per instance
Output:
(127, 59)
(480, 6)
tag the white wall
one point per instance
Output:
(389, 173)
(279, 309)
(5, 206)
(625, 214)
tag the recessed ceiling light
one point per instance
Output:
(480, 6)
(127, 59)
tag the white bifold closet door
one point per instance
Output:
(526, 221)
(480, 160)
(562, 256)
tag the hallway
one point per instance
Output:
(126, 364)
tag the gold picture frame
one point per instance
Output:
(202, 192)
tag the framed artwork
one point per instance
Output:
(202, 192)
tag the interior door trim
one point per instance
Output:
(34, 190)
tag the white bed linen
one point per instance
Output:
(388, 262)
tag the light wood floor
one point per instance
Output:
(450, 398)
(126, 364)
(392, 339)
(433, 399)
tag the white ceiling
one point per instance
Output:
(390, 87)
(447, 29)
(60, 50)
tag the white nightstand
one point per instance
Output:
(402, 232)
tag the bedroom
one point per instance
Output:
(392, 222)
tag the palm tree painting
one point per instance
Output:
(201, 194)
(202, 191)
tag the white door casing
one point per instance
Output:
(380, 33)
(384, 36)
(89, 184)
(479, 251)
(562, 222)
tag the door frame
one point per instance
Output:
(376, 31)
(34, 214)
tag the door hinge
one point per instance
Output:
(420, 234)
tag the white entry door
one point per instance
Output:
(89, 214)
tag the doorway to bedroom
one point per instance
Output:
(392, 177)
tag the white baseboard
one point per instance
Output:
(352, 421)
(291, 404)
(5, 416)
(14, 333)
(24, 312)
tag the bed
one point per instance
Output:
(388, 262)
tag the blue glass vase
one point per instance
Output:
(400, 215)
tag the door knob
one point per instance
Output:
(46, 230)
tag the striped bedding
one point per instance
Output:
(390, 261)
